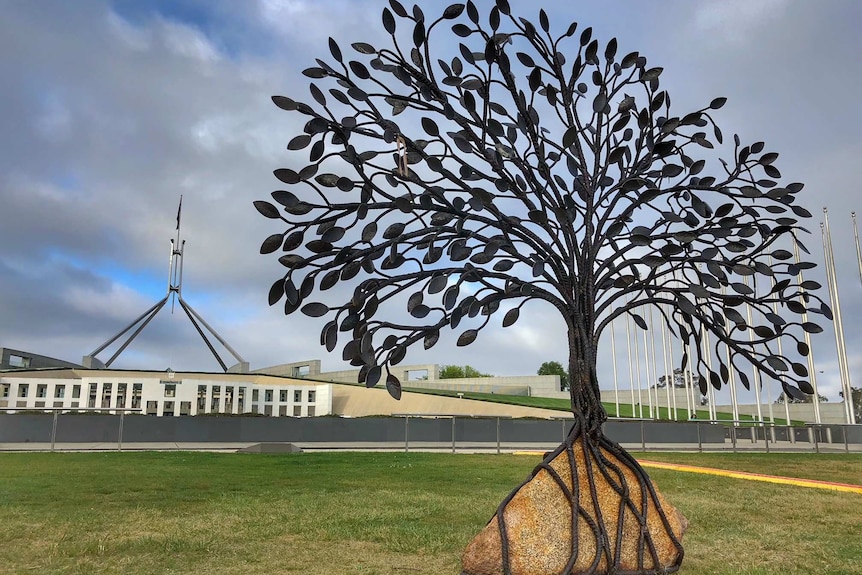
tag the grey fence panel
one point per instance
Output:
(270, 429)
(623, 431)
(661, 432)
(476, 430)
(782, 433)
(426, 429)
(20, 428)
(143, 428)
(710, 432)
(87, 428)
(800, 434)
(206, 429)
(533, 431)
(366, 430)
(854, 433)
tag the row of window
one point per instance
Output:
(170, 391)
(185, 408)
(283, 395)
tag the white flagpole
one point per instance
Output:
(631, 373)
(690, 404)
(734, 394)
(780, 351)
(837, 323)
(616, 386)
(755, 371)
(710, 392)
(655, 368)
(811, 370)
(649, 378)
(640, 379)
(858, 249)
(668, 377)
(769, 380)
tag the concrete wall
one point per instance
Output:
(310, 368)
(530, 385)
(14, 358)
(359, 401)
(829, 412)
(659, 397)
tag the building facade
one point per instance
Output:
(162, 394)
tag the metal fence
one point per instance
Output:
(72, 429)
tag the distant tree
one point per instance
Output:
(468, 174)
(809, 398)
(457, 371)
(856, 394)
(678, 379)
(679, 383)
(555, 368)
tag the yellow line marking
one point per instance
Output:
(740, 475)
(756, 476)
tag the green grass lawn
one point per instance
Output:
(625, 409)
(380, 513)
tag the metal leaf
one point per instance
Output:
(373, 376)
(363, 48)
(393, 386)
(776, 363)
(271, 244)
(315, 309)
(420, 311)
(511, 317)
(638, 320)
(333, 234)
(467, 337)
(276, 291)
(600, 102)
(388, 21)
(329, 279)
(318, 246)
(450, 297)
(266, 209)
(811, 327)
(413, 301)
(431, 339)
(299, 142)
(393, 231)
(331, 338)
(437, 284)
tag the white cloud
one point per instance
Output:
(138, 111)
(136, 38)
(736, 22)
(55, 121)
(188, 42)
(119, 302)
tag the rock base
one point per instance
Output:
(588, 508)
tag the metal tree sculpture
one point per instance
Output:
(522, 166)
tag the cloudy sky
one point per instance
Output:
(112, 110)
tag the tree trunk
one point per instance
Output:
(588, 509)
(583, 383)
